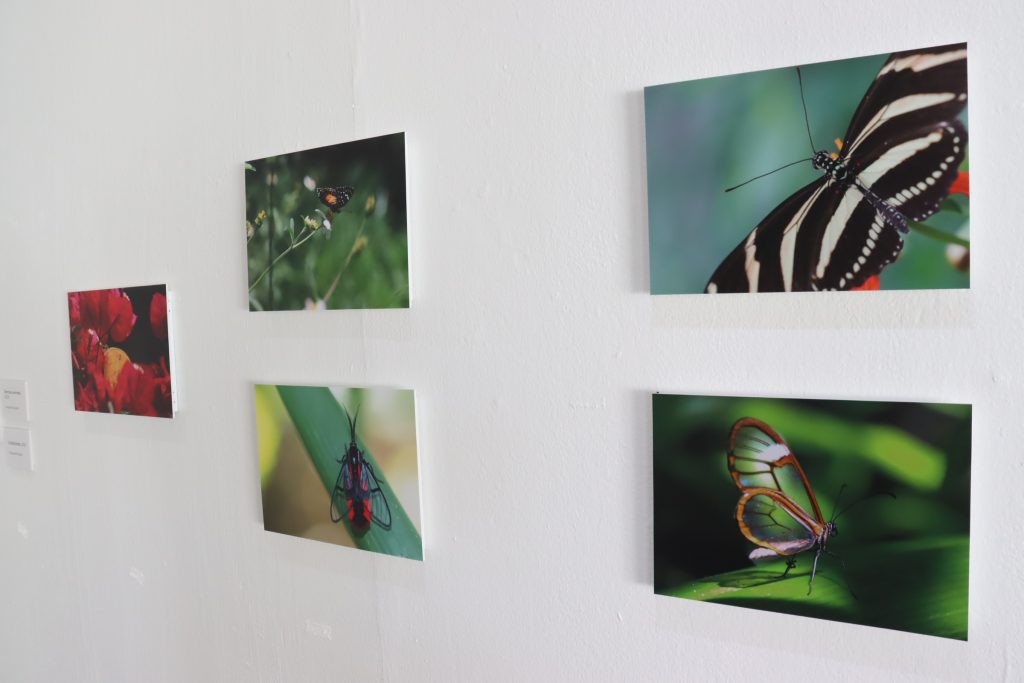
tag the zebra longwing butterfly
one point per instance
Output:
(897, 161)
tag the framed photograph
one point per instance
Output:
(326, 228)
(853, 511)
(120, 351)
(842, 175)
(340, 465)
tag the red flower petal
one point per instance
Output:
(962, 184)
(158, 315)
(134, 392)
(871, 284)
(122, 316)
(108, 311)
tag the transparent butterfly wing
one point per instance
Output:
(759, 458)
(380, 511)
(339, 504)
(772, 521)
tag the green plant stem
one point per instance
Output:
(270, 245)
(939, 234)
(344, 267)
(322, 424)
(291, 247)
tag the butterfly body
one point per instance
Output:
(900, 155)
(777, 510)
(334, 198)
(357, 494)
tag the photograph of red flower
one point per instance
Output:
(120, 354)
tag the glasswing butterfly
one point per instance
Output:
(334, 198)
(357, 494)
(777, 510)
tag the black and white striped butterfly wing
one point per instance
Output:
(807, 244)
(915, 175)
(856, 244)
(763, 261)
(905, 142)
(902, 150)
(914, 90)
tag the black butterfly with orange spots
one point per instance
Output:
(334, 198)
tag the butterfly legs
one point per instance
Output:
(814, 568)
(790, 563)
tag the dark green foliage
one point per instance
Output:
(905, 558)
(362, 261)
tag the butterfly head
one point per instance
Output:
(830, 164)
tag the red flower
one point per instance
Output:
(89, 364)
(134, 391)
(105, 378)
(158, 315)
(107, 311)
(871, 284)
(162, 379)
(962, 184)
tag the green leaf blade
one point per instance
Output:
(322, 424)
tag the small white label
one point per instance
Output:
(18, 446)
(14, 400)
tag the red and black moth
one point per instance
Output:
(357, 495)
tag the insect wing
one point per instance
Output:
(776, 256)
(914, 90)
(760, 460)
(855, 244)
(334, 198)
(772, 521)
(914, 172)
(380, 511)
(904, 145)
(339, 503)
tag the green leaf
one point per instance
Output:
(934, 233)
(950, 204)
(892, 450)
(322, 425)
(918, 586)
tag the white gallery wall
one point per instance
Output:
(136, 552)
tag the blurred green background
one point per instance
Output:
(377, 276)
(706, 135)
(906, 558)
(295, 499)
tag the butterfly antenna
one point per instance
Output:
(807, 120)
(861, 500)
(836, 505)
(794, 163)
(351, 423)
(355, 421)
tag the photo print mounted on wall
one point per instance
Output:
(853, 511)
(121, 352)
(340, 465)
(842, 175)
(326, 229)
